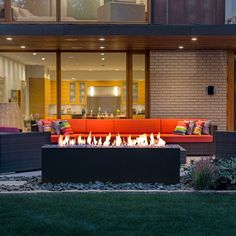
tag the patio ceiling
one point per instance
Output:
(128, 37)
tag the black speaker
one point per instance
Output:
(210, 90)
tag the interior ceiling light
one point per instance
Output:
(116, 69)
(34, 53)
(43, 59)
(103, 59)
(194, 39)
(102, 39)
(102, 47)
(181, 47)
(70, 57)
(102, 54)
(9, 38)
(71, 40)
(22, 46)
(76, 47)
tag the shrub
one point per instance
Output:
(204, 175)
(227, 174)
(201, 175)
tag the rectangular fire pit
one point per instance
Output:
(110, 164)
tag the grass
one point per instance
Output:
(117, 214)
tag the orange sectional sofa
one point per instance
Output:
(194, 144)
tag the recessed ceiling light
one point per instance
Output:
(181, 47)
(102, 47)
(22, 46)
(70, 57)
(116, 69)
(72, 39)
(73, 78)
(90, 69)
(43, 59)
(103, 59)
(194, 39)
(9, 38)
(76, 47)
(102, 39)
(34, 53)
(102, 54)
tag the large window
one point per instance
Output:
(33, 10)
(2, 10)
(138, 86)
(105, 10)
(29, 80)
(93, 85)
(77, 11)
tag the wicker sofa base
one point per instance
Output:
(21, 151)
(199, 149)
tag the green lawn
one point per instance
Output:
(117, 214)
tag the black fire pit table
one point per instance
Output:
(81, 164)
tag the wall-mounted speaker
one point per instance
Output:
(211, 90)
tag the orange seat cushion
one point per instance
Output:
(139, 126)
(175, 138)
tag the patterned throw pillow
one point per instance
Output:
(48, 126)
(206, 127)
(198, 127)
(181, 127)
(56, 126)
(190, 127)
(65, 127)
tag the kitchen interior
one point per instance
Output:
(93, 85)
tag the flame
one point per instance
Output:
(100, 142)
(152, 139)
(94, 141)
(89, 139)
(81, 141)
(72, 142)
(130, 141)
(118, 141)
(60, 140)
(107, 141)
(160, 141)
(141, 140)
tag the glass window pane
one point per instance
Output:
(29, 80)
(97, 90)
(104, 10)
(138, 86)
(34, 10)
(2, 11)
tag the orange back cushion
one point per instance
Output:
(100, 126)
(78, 125)
(139, 126)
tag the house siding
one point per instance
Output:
(178, 81)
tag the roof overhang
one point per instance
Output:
(78, 37)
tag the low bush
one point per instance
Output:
(226, 174)
(209, 174)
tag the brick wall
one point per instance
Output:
(178, 81)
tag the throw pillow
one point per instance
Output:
(65, 127)
(48, 127)
(56, 126)
(206, 127)
(198, 127)
(181, 127)
(190, 127)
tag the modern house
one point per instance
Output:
(119, 58)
